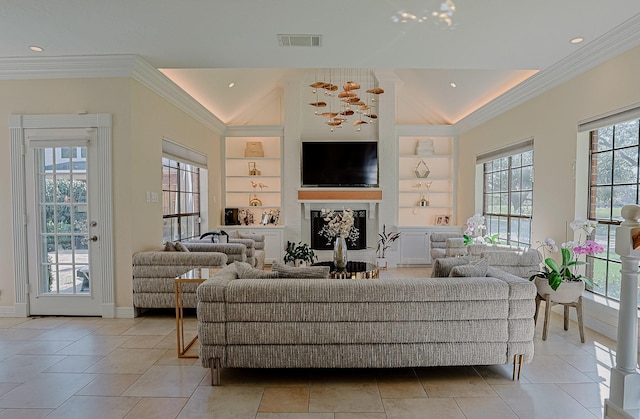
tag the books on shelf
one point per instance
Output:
(424, 148)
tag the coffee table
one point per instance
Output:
(353, 270)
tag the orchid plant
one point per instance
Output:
(339, 224)
(570, 251)
(475, 228)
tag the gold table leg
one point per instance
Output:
(181, 346)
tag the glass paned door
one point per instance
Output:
(59, 223)
(63, 209)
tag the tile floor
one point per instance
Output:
(63, 367)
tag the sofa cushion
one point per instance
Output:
(442, 266)
(472, 269)
(180, 247)
(301, 272)
(246, 271)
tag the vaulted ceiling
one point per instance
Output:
(488, 48)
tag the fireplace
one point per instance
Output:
(319, 242)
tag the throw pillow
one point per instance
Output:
(476, 269)
(301, 272)
(442, 266)
(246, 271)
(180, 247)
(169, 247)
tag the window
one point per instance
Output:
(180, 200)
(507, 196)
(614, 146)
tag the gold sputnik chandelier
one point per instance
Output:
(355, 104)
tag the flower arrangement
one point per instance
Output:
(339, 224)
(475, 228)
(570, 251)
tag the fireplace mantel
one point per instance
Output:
(328, 195)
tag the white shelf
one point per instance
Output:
(442, 176)
(420, 191)
(253, 177)
(253, 158)
(433, 156)
(427, 179)
(427, 207)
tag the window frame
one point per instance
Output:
(607, 224)
(492, 166)
(176, 223)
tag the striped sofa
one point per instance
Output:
(154, 273)
(329, 323)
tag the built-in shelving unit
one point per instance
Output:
(253, 183)
(247, 178)
(413, 190)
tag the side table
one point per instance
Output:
(547, 314)
(194, 276)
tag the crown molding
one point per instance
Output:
(618, 40)
(153, 79)
(99, 66)
(425, 130)
(255, 131)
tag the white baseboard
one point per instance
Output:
(125, 312)
(7, 311)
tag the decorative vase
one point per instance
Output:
(567, 292)
(340, 252)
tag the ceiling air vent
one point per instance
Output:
(287, 40)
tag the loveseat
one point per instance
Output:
(154, 273)
(254, 243)
(363, 323)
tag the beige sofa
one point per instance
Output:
(328, 323)
(154, 273)
(254, 243)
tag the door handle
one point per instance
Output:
(94, 238)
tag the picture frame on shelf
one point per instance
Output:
(443, 220)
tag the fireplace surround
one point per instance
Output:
(319, 242)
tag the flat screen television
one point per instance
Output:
(340, 164)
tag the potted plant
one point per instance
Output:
(384, 242)
(562, 281)
(298, 254)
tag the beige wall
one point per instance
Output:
(551, 119)
(140, 120)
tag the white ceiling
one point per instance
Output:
(492, 46)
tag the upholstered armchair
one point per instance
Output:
(438, 242)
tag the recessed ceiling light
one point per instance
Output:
(36, 48)
(577, 40)
(231, 85)
(453, 84)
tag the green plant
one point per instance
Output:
(385, 240)
(555, 273)
(567, 271)
(300, 251)
(493, 239)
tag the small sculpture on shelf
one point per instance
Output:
(424, 200)
(253, 170)
(254, 201)
(421, 170)
(258, 185)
